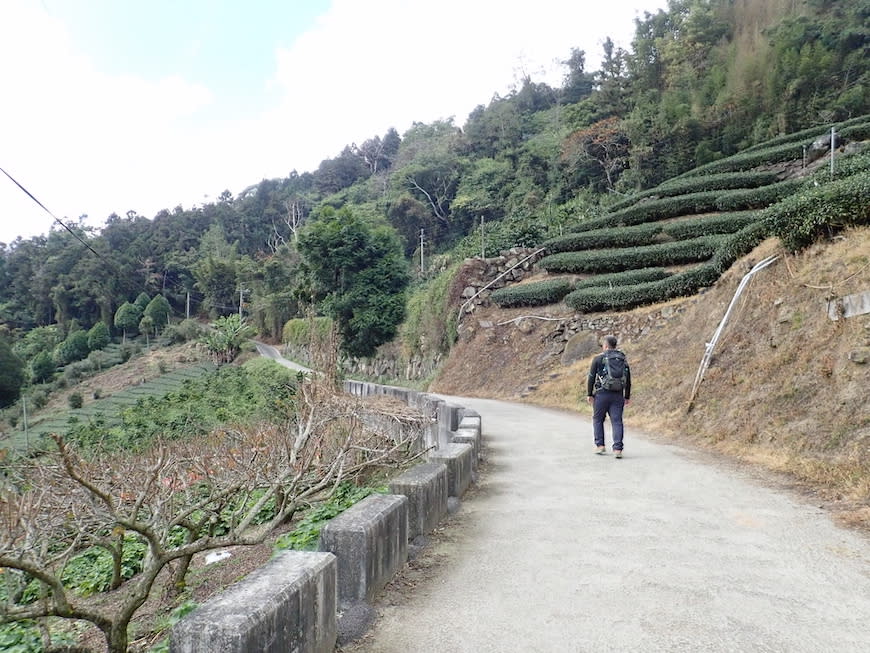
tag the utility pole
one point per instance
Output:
(833, 140)
(241, 295)
(422, 246)
(482, 245)
(187, 306)
(26, 434)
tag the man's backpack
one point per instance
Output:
(612, 372)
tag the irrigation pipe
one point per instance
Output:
(708, 353)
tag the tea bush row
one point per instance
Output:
(629, 258)
(692, 203)
(808, 135)
(683, 283)
(723, 181)
(801, 219)
(747, 160)
(538, 293)
(646, 234)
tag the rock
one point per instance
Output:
(469, 292)
(860, 356)
(485, 324)
(526, 326)
(582, 345)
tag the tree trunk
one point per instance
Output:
(176, 583)
(116, 638)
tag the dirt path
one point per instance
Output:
(560, 550)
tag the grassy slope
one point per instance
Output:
(781, 391)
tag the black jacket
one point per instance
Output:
(595, 372)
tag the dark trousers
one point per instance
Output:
(608, 403)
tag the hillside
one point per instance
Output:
(786, 389)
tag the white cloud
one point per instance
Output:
(87, 142)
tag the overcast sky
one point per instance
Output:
(115, 105)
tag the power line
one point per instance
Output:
(54, 217)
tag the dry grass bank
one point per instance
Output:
(781, 392)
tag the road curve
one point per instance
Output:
(268, 351)
(561, 550)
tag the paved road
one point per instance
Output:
(562, 550)
(268, 351)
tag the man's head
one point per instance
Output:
(609, 342)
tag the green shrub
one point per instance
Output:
(21, 637)
(186, 331)
(538, 293)
(297, 332)
(38, 397)
(98, 336)
(74, 348)
(307, 532)
(629, 258)
(91, 571)
(256, 391)
(430, 324)
(844, 166)
(128, 350)
(75, 400)
(801, 219)
(42, 367)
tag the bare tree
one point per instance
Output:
(291, 221)
(232, 487)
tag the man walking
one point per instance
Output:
(608, 389)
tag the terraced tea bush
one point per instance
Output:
(860, 132)
(748, 160)
(740, 243)
(538, 293)
(626, 278)
(801, 219)
(688, 282)
(629, 258)
(652, 210)
(722, 181)
(645, 234)
(758, 198)
(807, 135)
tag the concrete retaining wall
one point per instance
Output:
(426, 487)
(286, 605)
(370, 540)
(291, 604)
(457, 457)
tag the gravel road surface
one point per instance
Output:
(558, 549)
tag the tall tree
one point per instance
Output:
(356, 273)
(11, 374)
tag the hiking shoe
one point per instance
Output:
(618, 453)
(601, 451)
